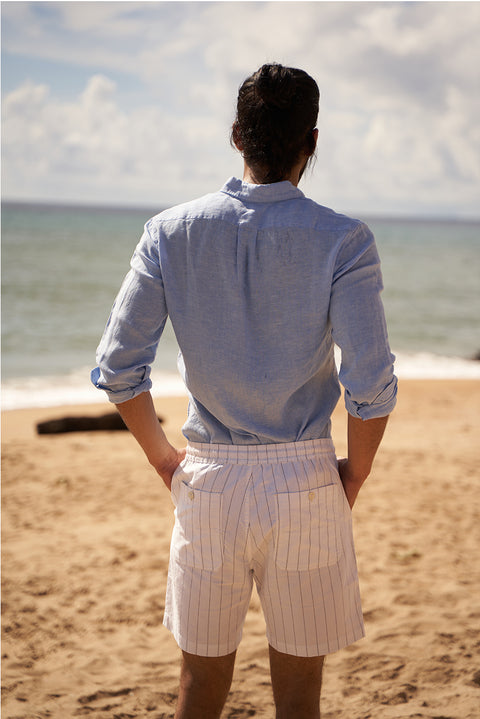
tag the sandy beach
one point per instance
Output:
(85, 537)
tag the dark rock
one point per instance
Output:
(105, 422)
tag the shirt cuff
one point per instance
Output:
(120, 395)
(381, 406)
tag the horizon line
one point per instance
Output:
(91, 205)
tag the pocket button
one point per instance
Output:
(191, 494)
(311, 496)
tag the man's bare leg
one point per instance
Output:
(296, 683)
(204, 686)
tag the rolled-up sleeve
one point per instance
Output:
(129, 343)
(359, 328)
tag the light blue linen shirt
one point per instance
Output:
(259, 283)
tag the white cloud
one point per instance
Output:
(94, 150)
(399, 99)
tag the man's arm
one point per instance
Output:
(364, 437)
(140, 417)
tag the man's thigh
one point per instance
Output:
(209, 581)
(306, 571)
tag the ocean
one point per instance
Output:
(62, 267)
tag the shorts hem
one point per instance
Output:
(200, 649)
(319, 650)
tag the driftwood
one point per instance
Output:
(110, 422)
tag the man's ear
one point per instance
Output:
(236, 136)
(314, 140)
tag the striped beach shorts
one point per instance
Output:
(275, 514)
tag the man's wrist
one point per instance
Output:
(163, 461)
(355, 475)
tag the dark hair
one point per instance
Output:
(277, 109)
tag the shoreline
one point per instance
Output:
(74, 389)
(86, 528)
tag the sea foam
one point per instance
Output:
(76, 389)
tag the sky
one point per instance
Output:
(131, 103)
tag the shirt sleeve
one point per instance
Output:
(359, 328)
(129, 343)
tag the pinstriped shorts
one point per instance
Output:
(275, 514)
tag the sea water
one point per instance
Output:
(62, 267)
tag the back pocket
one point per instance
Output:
(308, 529)
(197, 537)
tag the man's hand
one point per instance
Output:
(140, 417)
(169, 464)
(351, 485)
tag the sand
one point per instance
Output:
(86, 528)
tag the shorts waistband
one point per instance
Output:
(259, 453)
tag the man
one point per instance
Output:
(259, 282)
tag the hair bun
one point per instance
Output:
(277, 108)
(275, 86)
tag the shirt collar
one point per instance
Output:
(273, 192)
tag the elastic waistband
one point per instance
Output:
(259, 453)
